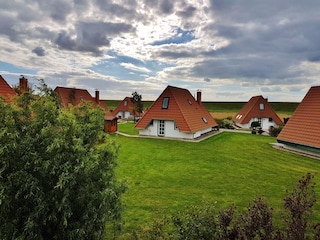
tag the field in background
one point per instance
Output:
(221, 110)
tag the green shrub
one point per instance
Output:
(274, 131)
(226, 123)
(203, 222)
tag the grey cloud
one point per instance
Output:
(267, 40)
(187, 11)
(91, 36)
(124, 10)
(207, 79)
(271, 89)
(58, 10)
(174, 55)
(107, 28)
(64, 41)
(243, 68)
(162, 7)
(166, 6)
(7, 24)
(39, 51)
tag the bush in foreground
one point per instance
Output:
(57, 181)
(257, 222)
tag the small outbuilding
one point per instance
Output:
(257, 110)
(110, 124)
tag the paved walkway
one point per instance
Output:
(199, 139)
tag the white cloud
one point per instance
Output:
(256, 46)
(132, 67)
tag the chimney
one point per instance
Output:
(97, 96)
(23, 85)
(199, 96)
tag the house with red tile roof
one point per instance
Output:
(257, 110)
(125, 109)
(75, 96)
(176, 114)
(6, 91)
(302, 130)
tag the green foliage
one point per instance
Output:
(166, 175)
(256, 222)
(128, 128)
(137, 103)
(274, 131)
(57, 182)
(160, 229)
(197, 223)
(298, 204)
(226, 123)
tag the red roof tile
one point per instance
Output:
(74, 96)
(252, 110)
(6, 91)
(125, 105)
(187, 113)
(303, 126)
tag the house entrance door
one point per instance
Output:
(161, 128)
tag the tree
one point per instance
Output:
(137, 104)
(202, 222)
(57, 180)
(298, 204)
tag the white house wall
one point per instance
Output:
(264, 122)
(123, 114)
(170, 131)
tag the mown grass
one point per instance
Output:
(128, 128)
(112, 104)
(165, 176)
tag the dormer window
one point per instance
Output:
(165, 103)
(125, 103)
(261, 106)
(204, 120)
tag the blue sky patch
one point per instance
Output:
(128, 68)
(180, 37)
(14, 69)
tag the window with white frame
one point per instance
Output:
(261, 106)
(165, 103)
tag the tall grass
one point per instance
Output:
(165, 176)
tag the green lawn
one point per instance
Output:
(165, 176)
(128, 128)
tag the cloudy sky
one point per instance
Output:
(230, 49)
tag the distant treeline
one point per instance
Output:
(279, 107)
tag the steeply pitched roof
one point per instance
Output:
(252, 110)
(124, 106)
(6, 91)
(177, 104)
(303, 126)
(74, 96)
